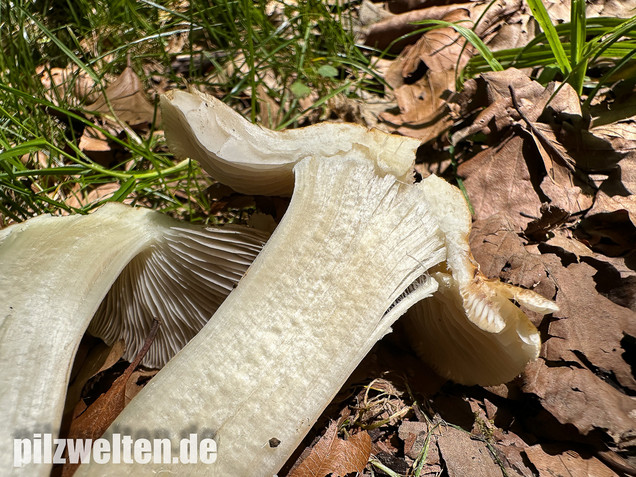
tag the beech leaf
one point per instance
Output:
(335, 456)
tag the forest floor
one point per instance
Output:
(549, 171)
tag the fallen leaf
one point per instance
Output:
(513, 459)
(136, 383)
(610, 226)
(511, 176)
(490, 92)
(95, 419)
(335, 456)
(550, 463)
(576, 396)
(414, 435)
(622, 180)
(128, 101)
(380, 35)
(591, 327)
(500, 179)
(501, 254)
(79, 197)
(72, 85)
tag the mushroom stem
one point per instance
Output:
(309, 309)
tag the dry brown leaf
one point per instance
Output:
(576, 396)
(610, 226)
(565, 464)
(71, 85)
(464, 456)
(127, 99)
(414, 434)
(402, 6)
(80, 198)
(500, 179)
(268, 108)
(560, 10)
(501, 254)
(491, 91)
(622, 181)
(94, 420)
(513, 460)
(515, 177)
(136, 383)
(332, 455)
(591, 328)
(423, 77)
(381, 34)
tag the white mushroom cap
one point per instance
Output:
(470, 331)
(254, 160)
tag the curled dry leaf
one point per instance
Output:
(70, 83)
(500, 179)
(423, 77)
(94, 420)
(381, 34)
(527, 167)
(610, 226)
(500, 253)
(127, 99)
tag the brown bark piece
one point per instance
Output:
(465, 456)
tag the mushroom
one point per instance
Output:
(469, 330)
(309, 309)
(55, 271)
(258, 161)
(349, 257)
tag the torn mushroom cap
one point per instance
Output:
(254, 160)
(470, 331)
(55, 271)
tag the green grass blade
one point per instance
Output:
(626, 59)
(67, 51)
(472, 37)
(577, 30)
(577, 45)
(599, 45)
(541, 15)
